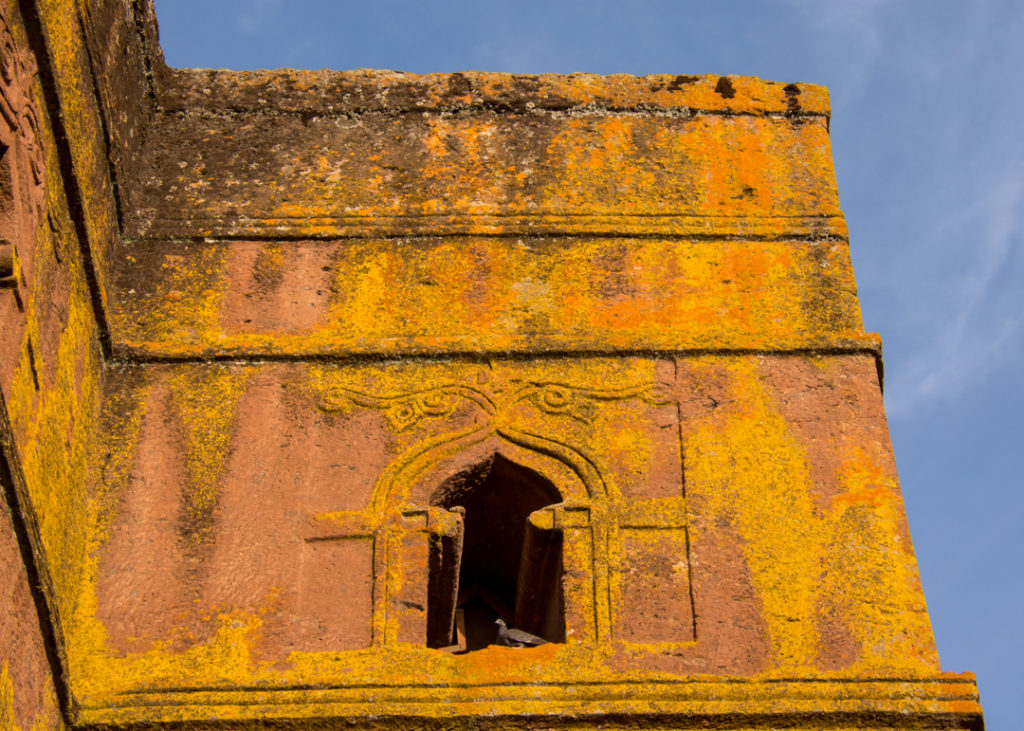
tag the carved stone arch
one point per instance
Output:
(407, 481)
(570, 584)
(564, 477)
(599, 489)
(502, 564)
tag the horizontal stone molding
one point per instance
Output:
(772, 228)
(427, 174)
(481, 294)
(948, 701)
(367, 90)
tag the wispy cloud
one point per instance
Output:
(943, 118)
(857, 27)
(252, 19)
(979, 324)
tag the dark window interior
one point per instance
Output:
(507, 568)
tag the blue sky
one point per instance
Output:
(927, 103)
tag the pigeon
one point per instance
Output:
(516, 637)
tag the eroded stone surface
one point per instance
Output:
(286, 354)
(27, 698)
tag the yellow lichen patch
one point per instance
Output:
(7, 720)
(879, 594)
(630, 447)
(419, 665)
(84, 129)
(124, 408)
(227, 658)
(230, 651)
(752, 472)
(86, 635)
(496, 294)
(367, 292)
(205, 400)
(186, 300)
(55, 430)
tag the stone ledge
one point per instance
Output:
(774, 228)
(368, 90)
(948, 701)
(479, 295)
(269, 349)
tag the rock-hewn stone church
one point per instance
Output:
(311, 380)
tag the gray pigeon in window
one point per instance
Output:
(516, 637)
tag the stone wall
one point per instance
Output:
(309, 377)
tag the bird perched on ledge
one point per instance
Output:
(516, 637)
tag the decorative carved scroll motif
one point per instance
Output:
(408, 409)
(498, 412)
(22, 161)
(498, 408)
(580, 403)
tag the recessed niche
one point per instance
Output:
(502, 565)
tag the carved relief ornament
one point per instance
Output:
(405, 410)
(23, 171)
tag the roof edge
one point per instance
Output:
(369, 91)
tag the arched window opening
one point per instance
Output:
(506, 567)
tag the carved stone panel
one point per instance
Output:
(22, 197)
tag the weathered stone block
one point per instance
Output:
(308, 377)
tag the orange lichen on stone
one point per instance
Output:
(291, 90)
(801, 558)
(736, 237)
(206, 405)
(284, 337)
(870, 546)
(508, 173)
(750, 471)
(487, 294)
